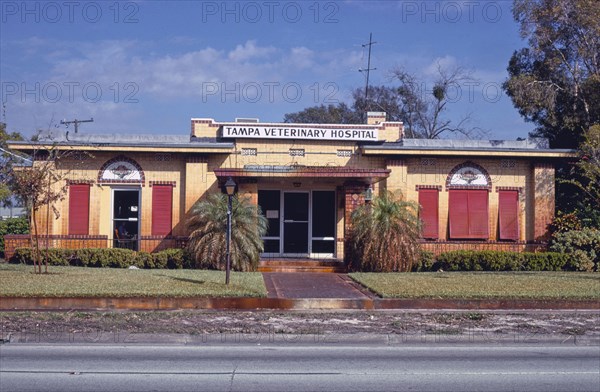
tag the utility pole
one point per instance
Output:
(76, 122)
(368, 69)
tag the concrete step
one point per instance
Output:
(302, 265)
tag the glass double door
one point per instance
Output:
(301, 223)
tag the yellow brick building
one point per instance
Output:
(137, 190)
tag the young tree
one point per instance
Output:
(555, 81)
(208, 224)
(39, 185)
(39, 182)
(385, 234)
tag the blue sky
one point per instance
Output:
(150, 66)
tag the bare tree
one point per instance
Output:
(423, 110)
(40, 183)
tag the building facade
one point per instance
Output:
(137, 191)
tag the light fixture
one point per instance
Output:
(230, 186)
(369, 194)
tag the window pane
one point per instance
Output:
(322, 246)
(323, 214)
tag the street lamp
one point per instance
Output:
(230, 189)
(369, 195)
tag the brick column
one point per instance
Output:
(248, 189)
(543, 199)
(353, 198)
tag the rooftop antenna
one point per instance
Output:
(76, 123)
(368, 69)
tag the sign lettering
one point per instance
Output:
(263, 132)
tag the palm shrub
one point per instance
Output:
(385, 235)
(208, 225)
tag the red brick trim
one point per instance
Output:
(438, 187)
(80, 182)
(509, 188)
(466, 187)
(172, 183)
(438, 247)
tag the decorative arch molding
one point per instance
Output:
(121, 170)
(468, 175)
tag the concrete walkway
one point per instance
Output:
(312, 285)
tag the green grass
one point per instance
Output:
(20, 281)
(482, 285)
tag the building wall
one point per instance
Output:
(193, 177)
(409, 173)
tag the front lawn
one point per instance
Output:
(20, 281)
(473, 285)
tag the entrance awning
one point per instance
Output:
(257, 171)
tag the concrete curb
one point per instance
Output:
(111, 337)
(248, 303)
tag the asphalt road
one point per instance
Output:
(286, 367)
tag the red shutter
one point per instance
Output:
(162, 209)
(478, 214)
(79, 209)
(508, 215)
(428, 200)
(468, 214)
(458, 207)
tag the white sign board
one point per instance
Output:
(265, 132)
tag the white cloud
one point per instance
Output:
(249, 51)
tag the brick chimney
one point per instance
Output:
(375, 118)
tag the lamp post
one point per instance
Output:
(230, 189)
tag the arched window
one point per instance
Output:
(121, 170)
(468, 185)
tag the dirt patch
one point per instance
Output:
(314, 322)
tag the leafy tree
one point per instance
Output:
(331, 114)
(421, 111)
(385, 235)
(5, 160)
(555, 81)
(380, 99)
(208, 224)
(584, 177)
